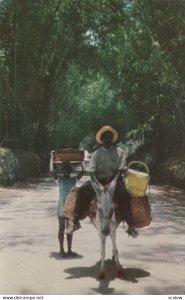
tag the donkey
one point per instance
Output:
(106, 222)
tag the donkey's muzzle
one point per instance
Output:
(105, 231)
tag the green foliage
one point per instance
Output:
(68, 67)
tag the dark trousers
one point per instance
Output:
(86, 193)
(84, 197)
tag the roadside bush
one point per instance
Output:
(17, 164)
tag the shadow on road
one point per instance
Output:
(131, 275)
(57, 256)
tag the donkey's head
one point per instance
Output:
(105, 204)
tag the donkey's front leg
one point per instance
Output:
(102, 266)
(119, 267)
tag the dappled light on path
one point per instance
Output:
(153, 263)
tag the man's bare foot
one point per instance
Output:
(72, 227)
(132, 232)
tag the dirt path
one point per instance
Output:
(29, 262)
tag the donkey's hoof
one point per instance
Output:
(101, 275)
(121, 273)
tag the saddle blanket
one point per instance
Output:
(140, 208)
(70, 204)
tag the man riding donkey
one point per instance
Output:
(105, 164)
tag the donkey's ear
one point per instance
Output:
(97, 186)
(112, 185)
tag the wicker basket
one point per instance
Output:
(136, 182)
(141, 211)
(70, 203)
(69, 154)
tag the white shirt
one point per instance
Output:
(105, 163)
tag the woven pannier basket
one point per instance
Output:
(141, 211)
(136, 183)
(70, 203)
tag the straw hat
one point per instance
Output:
(104, 129)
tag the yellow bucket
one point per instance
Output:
(136, 182)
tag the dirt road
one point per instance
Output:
(154, 263)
